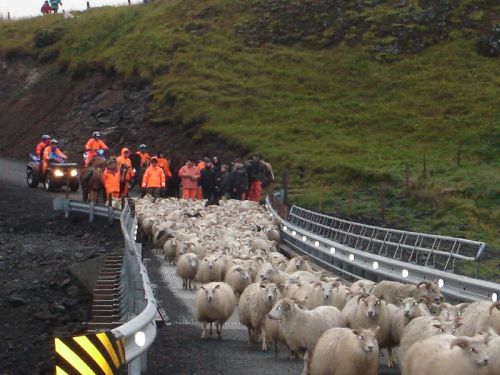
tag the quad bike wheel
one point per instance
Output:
(48, 183)
(31, 179)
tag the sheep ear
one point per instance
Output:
(305, 257)
(202, 287)
(262, 286)
(494, 306)
(437, 325)
(281, 287)
(376, 329)
(357, 332)
(460, 342)
(217, 286)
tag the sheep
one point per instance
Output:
(300, 263)
(447, 354)
(393, 290)
(344, 351)
(362, 286)
(186, 268)
(448, 311)
(255, 302)
(170, 250)
(260, 244)
(401, 315)
(272, 234)
(424, 327)
(214, 302)
(269, 273)
(369, 311)
(480, 316)
(494, 352)
(272, 333)
(238, 278)
(210, 269)
(302, 328)
(315, 294)
(340, 295)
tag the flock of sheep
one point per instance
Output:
(230, 251)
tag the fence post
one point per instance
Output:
(129, 3)
(88, 4)
(8, 16)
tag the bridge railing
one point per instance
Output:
(358, 251)
(137, 302)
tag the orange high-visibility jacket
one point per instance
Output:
(92, 146)
(48, 150)
(121, 160)
(189, 177)
(111, 181)
(154, 177)
(164, 164)
(200, 166)
(40, 147)
(144, 158)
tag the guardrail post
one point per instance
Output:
(66, 208)
(91, 212)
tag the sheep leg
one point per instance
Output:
(249, 335)
(211, 329)
(218, 329)
(305, 371)
(275, 348)
(390, 358)
(264, 341)
(204, 331)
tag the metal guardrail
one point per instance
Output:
(341, 255)
(138, 305)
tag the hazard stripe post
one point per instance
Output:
(94, 354)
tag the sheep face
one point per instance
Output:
(281, 309)
(193, 262)
(326, 291)
(268, 274)
(367, 339)
(410, 307)
(270, 292)
(371, 305)
(210, 292)
(300, 262)
(244, 274)
(431, 290)
(473, 347)
(211, 262)
(447, 327)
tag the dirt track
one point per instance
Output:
(38, 297)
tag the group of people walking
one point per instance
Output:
(200, 178)
(50, 6)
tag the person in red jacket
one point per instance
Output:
(52, 153)
(93, 144)
(154, 179)
(111, 181)
(41, 146)
(46, 8)
(189, 175)
(124, 166)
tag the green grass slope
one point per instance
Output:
(350, 97)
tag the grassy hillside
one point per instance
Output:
(350, 97)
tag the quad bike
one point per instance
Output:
(58, 174)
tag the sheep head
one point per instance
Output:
(431, 290)
(281, 309)
(270, 292)
(370, 304)
(473, 347)
(210, 292)
(367, 338)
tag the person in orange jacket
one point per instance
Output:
(124, 166)
(189, 175)
(41, 146)
(93, 144)
(201, 166)
(165, 165)
(111, 180)
(154, 179)
(52, 153)
(145, 158)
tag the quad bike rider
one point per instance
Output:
(52, 170)
(92, 147)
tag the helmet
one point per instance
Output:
(54, 142)
(142, 147)
(96, 134)
(45, 137)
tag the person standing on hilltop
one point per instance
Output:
(54, 5)
(46, 8)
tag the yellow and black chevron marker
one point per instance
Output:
(95, 354)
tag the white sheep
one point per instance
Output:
(210, 269)
(299, 263)
(344, 351)
(170, 250)
(272, 333)
(424, 327)
(315, 294)
(214, 302)
(494, 353)
(255, 303)
(362, 286)
(302, 328)
(369, 311)
(186, 268)
(410, 308)
(238, 278)
(392, 291)
(479, 317)
(447, 354)
(448, 311)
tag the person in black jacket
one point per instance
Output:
(207, 182)
(222, 181)
(239, 181)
